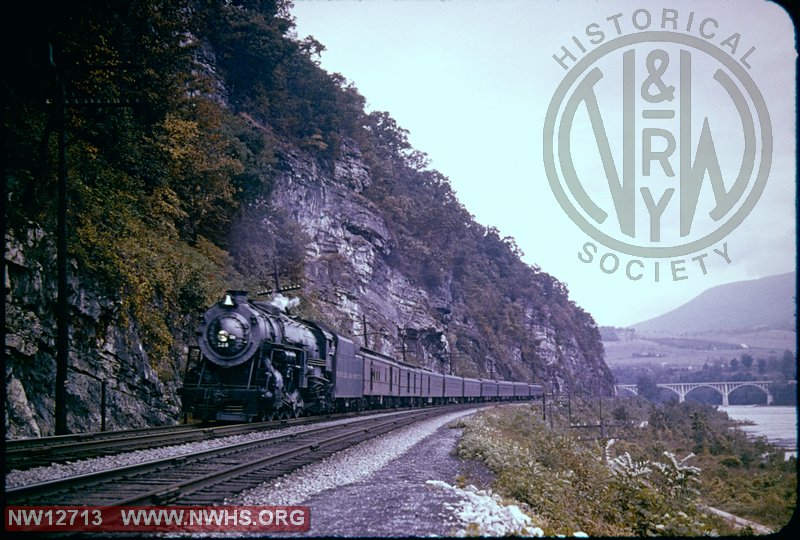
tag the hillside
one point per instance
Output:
(765, 303)
(229, 154)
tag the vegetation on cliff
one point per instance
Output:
(177, 114)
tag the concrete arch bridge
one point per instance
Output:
(724, 388)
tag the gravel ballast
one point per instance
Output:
(396, 485)
(18, 478)
(403, 483)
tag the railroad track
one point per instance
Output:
(210, 476)
(28, 453)
(24, 454)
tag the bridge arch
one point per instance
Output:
(627, 388)
(722, 395)
(767, 393)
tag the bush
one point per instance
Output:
(569, 486)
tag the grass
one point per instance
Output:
(654, 483)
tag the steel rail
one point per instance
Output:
(24, 454)
(355, 434)
(91, 484)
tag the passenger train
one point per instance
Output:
(255, 362)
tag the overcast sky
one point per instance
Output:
(472, 81)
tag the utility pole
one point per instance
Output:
(544, 407)
(62, 303)
(602, 425)
(453, 356)
(382, 332)
(275, 275)
(403, 339)
(569, 407)
(277, 280)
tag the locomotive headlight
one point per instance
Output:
(228, 334)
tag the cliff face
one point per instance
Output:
(104, 346)
(349, 280)
(350, 274)
(346, 260)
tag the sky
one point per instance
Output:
(473, 81)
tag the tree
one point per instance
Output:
(747, 360)
(646, 386)
(700, 432)
(789, 365)
(620, 414)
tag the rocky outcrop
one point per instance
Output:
(346, 265)
(105, 350)
(349, 272)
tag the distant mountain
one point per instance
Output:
(766, 302)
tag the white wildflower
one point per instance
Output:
(487, 515)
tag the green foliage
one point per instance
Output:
(569, 486)
(658, 497)
(135, 251)
(277, 79)
(152, 183)
(637, 485)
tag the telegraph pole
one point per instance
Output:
(275, 276)
(403, 336)
(62, 302)
(62, 305)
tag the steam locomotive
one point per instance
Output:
(255, 362)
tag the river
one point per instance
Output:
(777, 423)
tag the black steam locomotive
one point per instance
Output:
(255, 362)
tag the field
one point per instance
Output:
(693, 351)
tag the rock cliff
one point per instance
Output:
(354, 286)
(105, 349)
